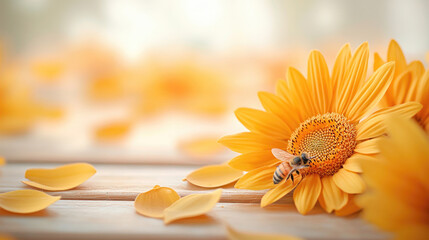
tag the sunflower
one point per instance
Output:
(410, 83)
(323, 117)
(397, 199)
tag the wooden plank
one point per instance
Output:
(125, 182)
(114, 156)
(74, 219)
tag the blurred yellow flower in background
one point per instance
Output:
(184, 85)
(17, 108)
(322, 116)
(410, 83)
(397, 199)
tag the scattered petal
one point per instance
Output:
(2, 161)
(153, 202)
(214, 176)
(61, 178)
(236, 235)
(191, 206)
(26, 201)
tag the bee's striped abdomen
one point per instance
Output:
(281, 171)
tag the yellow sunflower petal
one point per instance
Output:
(356, 73)
(153, 202)
(26, 201)
(263, 122)
(320, 82)
(374, 126)
(350, 208)
(258, 179)
(191, 206)
(368, 146)
(378, 61)
(280, 108)
(306, 194)
(339, 71)
(401, 86)
(61, 178)
(214, 176)
(371, 92)
(253, 160)
(299, 89)
(236, 235)
(333, 197)
(250, 142)
(394, 53)
(283, 188)
(2, 161)
(349, 182)
(353, 163)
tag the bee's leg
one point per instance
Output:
(291, 177)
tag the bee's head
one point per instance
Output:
(305, 158)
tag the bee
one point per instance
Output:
(290, 164)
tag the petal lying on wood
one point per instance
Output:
(26, 201)
(61, 178)
(236, 235)
(153, 202)
(191, 206)
(214, 176)
(2, 161)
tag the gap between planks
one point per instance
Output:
(125, 182)
(75, 219)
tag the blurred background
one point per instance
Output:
(158, 81)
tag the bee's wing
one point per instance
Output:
(282, 155)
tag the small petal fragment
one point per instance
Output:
(2, 161)
(153, 202)
(26, 201)
(61, 178)
(349, 182)
(307, 193)
(236, 235)
(191, 206)
(214, 176)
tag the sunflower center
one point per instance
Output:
(329, 139)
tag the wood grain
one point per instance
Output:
(74, 219)
(125, 182)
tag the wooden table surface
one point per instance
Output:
(102, 208)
